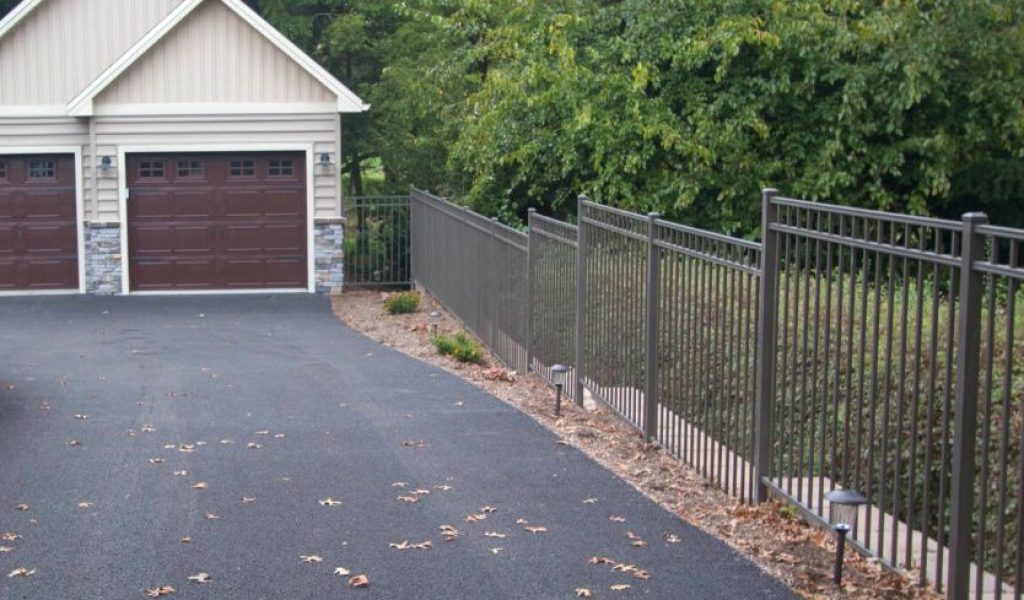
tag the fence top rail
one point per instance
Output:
(850, 211)
(709, 235)
(536, 216)
(1001, 232)
(376, 198)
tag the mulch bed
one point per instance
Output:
(770, 535)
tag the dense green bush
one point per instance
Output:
(461, 347)
(402, 303)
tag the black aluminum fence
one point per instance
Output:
(377, 241)
(851, 349)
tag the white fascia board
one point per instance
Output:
(17, 15)
(83, 105)
(29, 111)
(213, 108)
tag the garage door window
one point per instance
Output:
(242, 168)
(281, 168)
(41, 169)
(193, 169)
(149, 169)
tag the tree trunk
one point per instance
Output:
(355, 171)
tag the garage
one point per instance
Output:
(217, 221)
(38, 223)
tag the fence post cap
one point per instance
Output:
(654, 215)
(975, 217)
(769, 191)
(582, 198)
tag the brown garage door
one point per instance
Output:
(217, 221)
(38, 223)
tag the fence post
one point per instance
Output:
(494, 307)
(651, 399)
(581, 298)
(965, 426)
(766, 335)
(529, 288)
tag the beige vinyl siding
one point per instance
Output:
(214, 56)
(197, 131)
(63, 45)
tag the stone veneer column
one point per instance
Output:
(330, 255)
(103, 266)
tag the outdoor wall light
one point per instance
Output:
(434, 318)
(558, 377)
(325, 159)
(844, 505)
(105, 163)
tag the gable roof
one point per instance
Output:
(82, 105)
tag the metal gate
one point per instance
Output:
(377, 241)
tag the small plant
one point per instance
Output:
(402, 303)
(788, 513)
(461, 347)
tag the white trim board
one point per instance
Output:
(79, 209)
(203, 108)
(83, 104)
(122, 205)
(17, 15)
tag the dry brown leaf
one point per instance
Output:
(475, 518)
(22, 507)
(521, 521)
(10, 537)
(21, 572)
(618, 587)
(329, 502)
(211, 516)
(186, 448)
(415, 444)
(200, 485)
(147, 428)
(81, 417)
(181, 473)
(278, 436)
(601, 560)
(342, 571)
(408, 498)
(617, 519)
(156, 461)
(641, 574)
(359, 581)
(311, 558)
(254, 445)
(227, 441)
(169, 446)
(487, 510)
(186, 540)
(590, 501)
(6, 549)
(200, 578)
(74, 443)
(248, 499)
(496, 550)
(263, 432)
(494, 534)
(584, 593)
(443, 488)
(672, 538)
(164, 590)
(86, 504)
(400, 484)
(535, 529)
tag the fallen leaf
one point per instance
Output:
(311, 558)
(10, 537)
(488, 510)
(496, 550)
(164, 590)
(74, 443)
(156, 461)
(405, 545)
(400, 484)
(341, 571)
(359, 581)
(617, 519)
(408, 498)
(521, 521)
(535, 529)
(590, 501)
(254, 446)
(21, 572)
(415, 444)
(641, 574)
(248, 499)
(186, 540)
(672, 538)
(263, 432)
(201, 485)
(86, 504)
(169, 446)
(474, 518)
(494, 534)
(211, 516)
(181, 473)
(22, 507)
(443, 488)
(186, 448)
(601, 560)
(81, 417)
(618, 587)
(6, 549)
(147, 428)
(329, 502)
(227, 441)
(278, 436)
(584, 593)
(449, 533)
(200, 578)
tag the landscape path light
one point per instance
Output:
(844, 505)
(434, 318)
(558, 377)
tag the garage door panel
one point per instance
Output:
(241, 230)
(49, 239)
(38, 223)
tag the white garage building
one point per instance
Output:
(165, 146)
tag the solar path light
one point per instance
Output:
(434, 318)
(843, 508)
(558, 377)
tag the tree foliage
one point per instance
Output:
(688, 107)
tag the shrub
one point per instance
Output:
(402, 303)
(461, 347)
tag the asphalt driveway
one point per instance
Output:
(112, 410)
